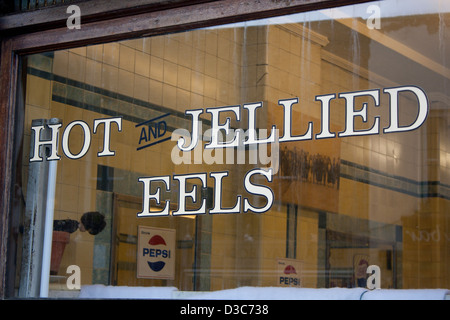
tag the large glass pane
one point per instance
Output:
(287, 152)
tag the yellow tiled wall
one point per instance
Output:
(232, 66)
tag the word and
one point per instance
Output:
(152, 132)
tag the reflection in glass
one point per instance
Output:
(341, 203)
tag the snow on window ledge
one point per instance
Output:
(262, 293)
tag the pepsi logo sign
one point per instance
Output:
(289, 273)
(156, 253)
(157, 243)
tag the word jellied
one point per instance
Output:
(350, 115)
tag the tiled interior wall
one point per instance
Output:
(381, 176)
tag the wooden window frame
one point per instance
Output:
(115, 20)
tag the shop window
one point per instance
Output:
(329, 152)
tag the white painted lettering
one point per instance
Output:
(216, 127)
(107, 134)
(258, 190)
(53, 142)
(287, 104)
(86, 140)
(183, 194)
(350, 113)
(146, 210)
(394, 109)
(218, 195)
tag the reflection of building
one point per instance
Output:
(381, 196)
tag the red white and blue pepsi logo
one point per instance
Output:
(157, 253)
